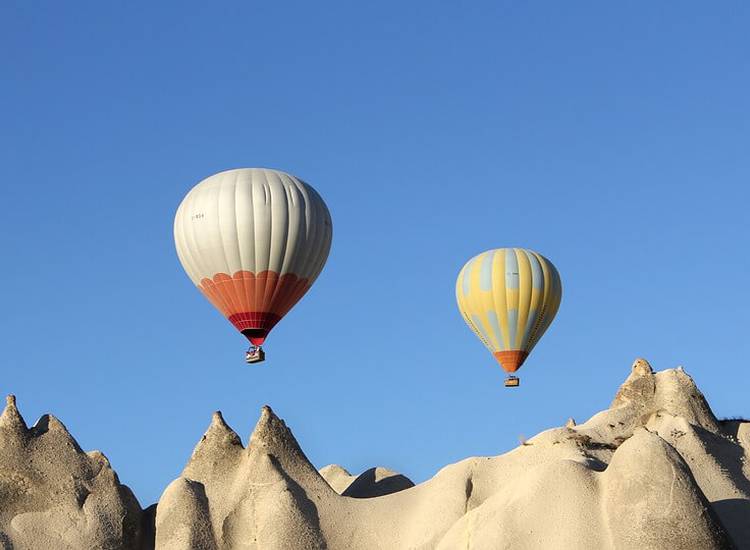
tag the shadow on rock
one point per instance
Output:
(372, 483)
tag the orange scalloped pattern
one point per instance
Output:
(254, 302)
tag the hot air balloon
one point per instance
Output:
(508, 297)
(253, 241)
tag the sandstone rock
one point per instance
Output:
(55, 496)
(655, 470)
(626, 478)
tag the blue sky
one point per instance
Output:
(611, 137)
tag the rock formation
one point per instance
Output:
(374, 482)
(55, 496)
(657, 470)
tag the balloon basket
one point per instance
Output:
(512, 382)
(255, 356)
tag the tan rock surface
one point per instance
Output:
(655, 470)
(55, 496)
(374, 482)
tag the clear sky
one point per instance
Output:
(611, 137)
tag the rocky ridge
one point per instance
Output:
(655, 470)
(53, 495)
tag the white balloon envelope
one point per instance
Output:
(253, 241)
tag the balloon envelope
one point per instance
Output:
(508, 297)
(253, 241)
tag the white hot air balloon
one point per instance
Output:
(253, 241)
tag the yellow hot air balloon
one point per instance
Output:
(508, 297)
